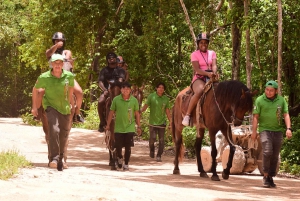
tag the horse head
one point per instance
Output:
(244, 105)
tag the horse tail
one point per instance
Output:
(177, 141)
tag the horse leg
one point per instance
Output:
(178, 147)
(214, 153)
(111, 161)
(198, 145)
(42, 114)
(226, 172)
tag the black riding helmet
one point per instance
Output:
(59, 36)
(202, 36)
(110, 55)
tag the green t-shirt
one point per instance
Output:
(56, 90)
(270, 113)
(158, 105)
(124, 109)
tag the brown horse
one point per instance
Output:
(221, 105)
(114, 90)
(138, 93)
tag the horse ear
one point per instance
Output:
(243, 94)
(142, 87)
(253, 93)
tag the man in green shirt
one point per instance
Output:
(159, 106)
(58, 102)
(269, 109)
(125, 108)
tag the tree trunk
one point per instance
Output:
(236, 39)
(187, 18)
(279, 68)
(248, 59)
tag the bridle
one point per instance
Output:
(233, 117)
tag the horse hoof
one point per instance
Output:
(113, 167)
(176, 171)
(215, 178)
(225, 176)
(60, 166)
(203, 174)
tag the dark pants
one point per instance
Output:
(59, 129)
(101, 110)
(160, 131)
(124, 140)
(271, 144)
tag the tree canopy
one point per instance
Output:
(152, 36)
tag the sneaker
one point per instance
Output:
(158, 159)
(266, 182)
(151, 154)
(272, 184)
(125, 167)
(186, 120)
(53, 164)
(120, 162)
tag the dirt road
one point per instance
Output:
(90, 178)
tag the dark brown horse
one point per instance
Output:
(138, 93)
(222, 105)
(114, 90)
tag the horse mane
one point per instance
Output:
(231, 92)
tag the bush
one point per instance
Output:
(10, 162)
(290, 152)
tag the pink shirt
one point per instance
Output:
(205, 60)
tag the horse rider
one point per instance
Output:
(110, 72)
(204, 63)
(123, 64)
(58, 47)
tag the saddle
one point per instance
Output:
(186, 98)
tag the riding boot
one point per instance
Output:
(101, 112)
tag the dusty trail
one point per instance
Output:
(90, 178)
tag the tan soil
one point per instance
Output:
(90, 178)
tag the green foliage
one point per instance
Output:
(29, 119)
(91, 120)
(10, 162)
(290, 152)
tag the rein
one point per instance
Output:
(107, 136)
(228, 123)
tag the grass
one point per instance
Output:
(10, 162)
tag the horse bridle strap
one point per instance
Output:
(233, 110)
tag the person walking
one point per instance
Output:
(125, 108)
(269, 110)
(58, 102)
(159, 105)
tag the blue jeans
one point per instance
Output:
(271, 142)
(160, 130)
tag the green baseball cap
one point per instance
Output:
(272, 83)
(56, 57)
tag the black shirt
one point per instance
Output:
(108, 73)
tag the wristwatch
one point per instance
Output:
(290, 129)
